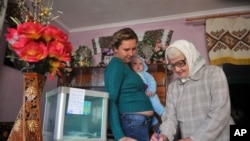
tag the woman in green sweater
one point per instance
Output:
(130, 110)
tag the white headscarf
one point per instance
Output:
(194, 58)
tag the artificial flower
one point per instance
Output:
(43, 48)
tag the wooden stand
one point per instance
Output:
(27, 126)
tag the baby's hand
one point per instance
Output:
(149, 93)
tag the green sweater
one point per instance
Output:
(126, 93)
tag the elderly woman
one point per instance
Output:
(197, 101)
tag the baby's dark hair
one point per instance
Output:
(121, 35)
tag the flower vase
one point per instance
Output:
(27, 126)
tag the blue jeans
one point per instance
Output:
(136, 126)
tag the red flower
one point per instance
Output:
(60, 50)
(13, 35)
(52, 33)
(21, 43)
(38, 44)
(31, 30)
(33, 52)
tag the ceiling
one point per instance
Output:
(80, 15)
(89, 14)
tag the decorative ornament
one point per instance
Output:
(83, 57)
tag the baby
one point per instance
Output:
(139, 66)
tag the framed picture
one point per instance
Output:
(12, 61)
(103, 45)
(12, 11)
(153, 45)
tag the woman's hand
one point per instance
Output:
(127, 139)
(158, 137)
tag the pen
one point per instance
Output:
(157, 130)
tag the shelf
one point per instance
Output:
(92, 78)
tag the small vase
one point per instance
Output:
(27, 126)
(64, 80)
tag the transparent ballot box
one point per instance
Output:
(73, 114)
